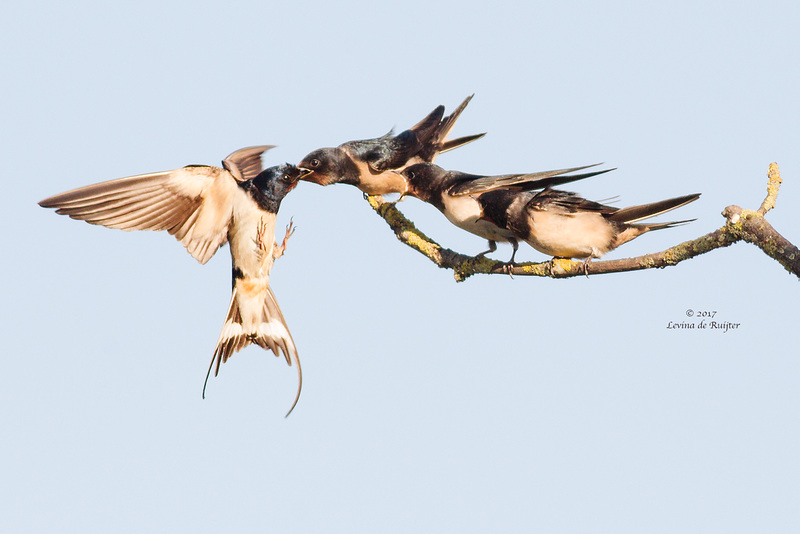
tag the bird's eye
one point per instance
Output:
(314, 162)
(286, 177)
(410, 175)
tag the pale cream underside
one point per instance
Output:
(254, 256)
(570, 235)
(382, 183)
(465, 212)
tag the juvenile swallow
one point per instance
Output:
(369, 164)
(456, 195)
(564, 225)
(204, 207)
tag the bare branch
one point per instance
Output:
(741, 225)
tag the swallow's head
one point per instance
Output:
(423, 180)
(274, 183)
(327, 166)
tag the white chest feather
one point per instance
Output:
(465, 212)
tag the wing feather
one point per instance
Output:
(245, 164)
(102, 206)
(473, 184)
(193, 203)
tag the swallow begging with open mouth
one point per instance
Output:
(374, 165)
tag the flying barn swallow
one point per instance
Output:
(204, 207)
(369, 164)
(456, 195)
(564, 225)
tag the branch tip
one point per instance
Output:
(773, 184)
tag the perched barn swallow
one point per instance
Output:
(456, 195)
(369, 164)
(564, 225)
(204, 207)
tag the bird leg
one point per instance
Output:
(279, 250)
(586, 266)
(510, 265)
(261, 246)
(492, 248)
(394, 202)
(401, 198)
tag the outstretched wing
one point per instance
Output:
(193, 203)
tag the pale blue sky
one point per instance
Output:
(524, 405)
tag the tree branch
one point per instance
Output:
(741, 225)
(773, 184)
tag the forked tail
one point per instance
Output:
(440, 142)
(268, 330)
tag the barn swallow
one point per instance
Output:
(456, 195)
(564, 225)
(204, 207)
(369, 164)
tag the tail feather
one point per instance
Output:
(427, 127)
(461, 141)
(438, 142)
(270, 333)
(660, 226)
(448, 122)
(631, 231)
(645, 211)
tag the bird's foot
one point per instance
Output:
(259, 241)
(399, 199)
(551, 265)
(279, 250)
